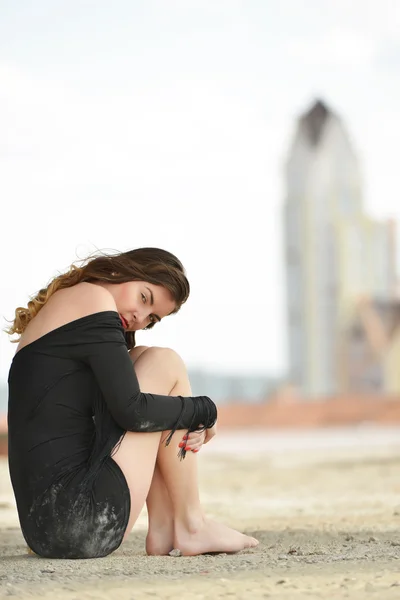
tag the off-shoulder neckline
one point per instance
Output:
(95, 315)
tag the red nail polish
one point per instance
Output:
(187, 448)
(196, 450)
(181, 445)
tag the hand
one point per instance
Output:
(194, 441)
(210, 433)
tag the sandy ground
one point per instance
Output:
(325, 506)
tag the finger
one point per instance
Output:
(194, 438)
(194, 443)
(197, 432)
(193, 448)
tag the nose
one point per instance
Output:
(138, 318)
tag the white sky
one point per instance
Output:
(167, 123)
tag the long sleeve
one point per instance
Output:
(134, 410)
(102, 347)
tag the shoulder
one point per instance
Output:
(86, 298)
(78, 301)
(68, 305)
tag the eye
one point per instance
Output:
(144, 299)
(152, 319)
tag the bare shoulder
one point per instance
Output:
(64, 306)
(83, 299)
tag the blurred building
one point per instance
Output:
(229, 388)
(371, 347)
(334, 254)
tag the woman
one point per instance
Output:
(91, 437)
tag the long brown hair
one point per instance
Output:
(154, 265)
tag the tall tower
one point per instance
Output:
(333, 252)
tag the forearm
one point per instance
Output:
(134, 410)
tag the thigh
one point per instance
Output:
(136, 456)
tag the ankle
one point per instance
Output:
(160, 524)
(189, 524)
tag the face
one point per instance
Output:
(140, 303)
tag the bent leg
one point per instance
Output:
(175, 515)
(160, 536)
(157, 370)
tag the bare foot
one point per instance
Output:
(160, 540)
(211, 536)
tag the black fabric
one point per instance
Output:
(73, 393)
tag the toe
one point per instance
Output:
(251, 542)
(255, 542)
(248, 541)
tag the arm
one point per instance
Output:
(134, 410)
(103, 348)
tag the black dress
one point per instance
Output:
(73, 393)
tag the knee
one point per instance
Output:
(137, 351)
(158, 355)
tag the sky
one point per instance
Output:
(167, 123)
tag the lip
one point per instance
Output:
(125, 323)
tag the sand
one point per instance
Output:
(325, 506)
